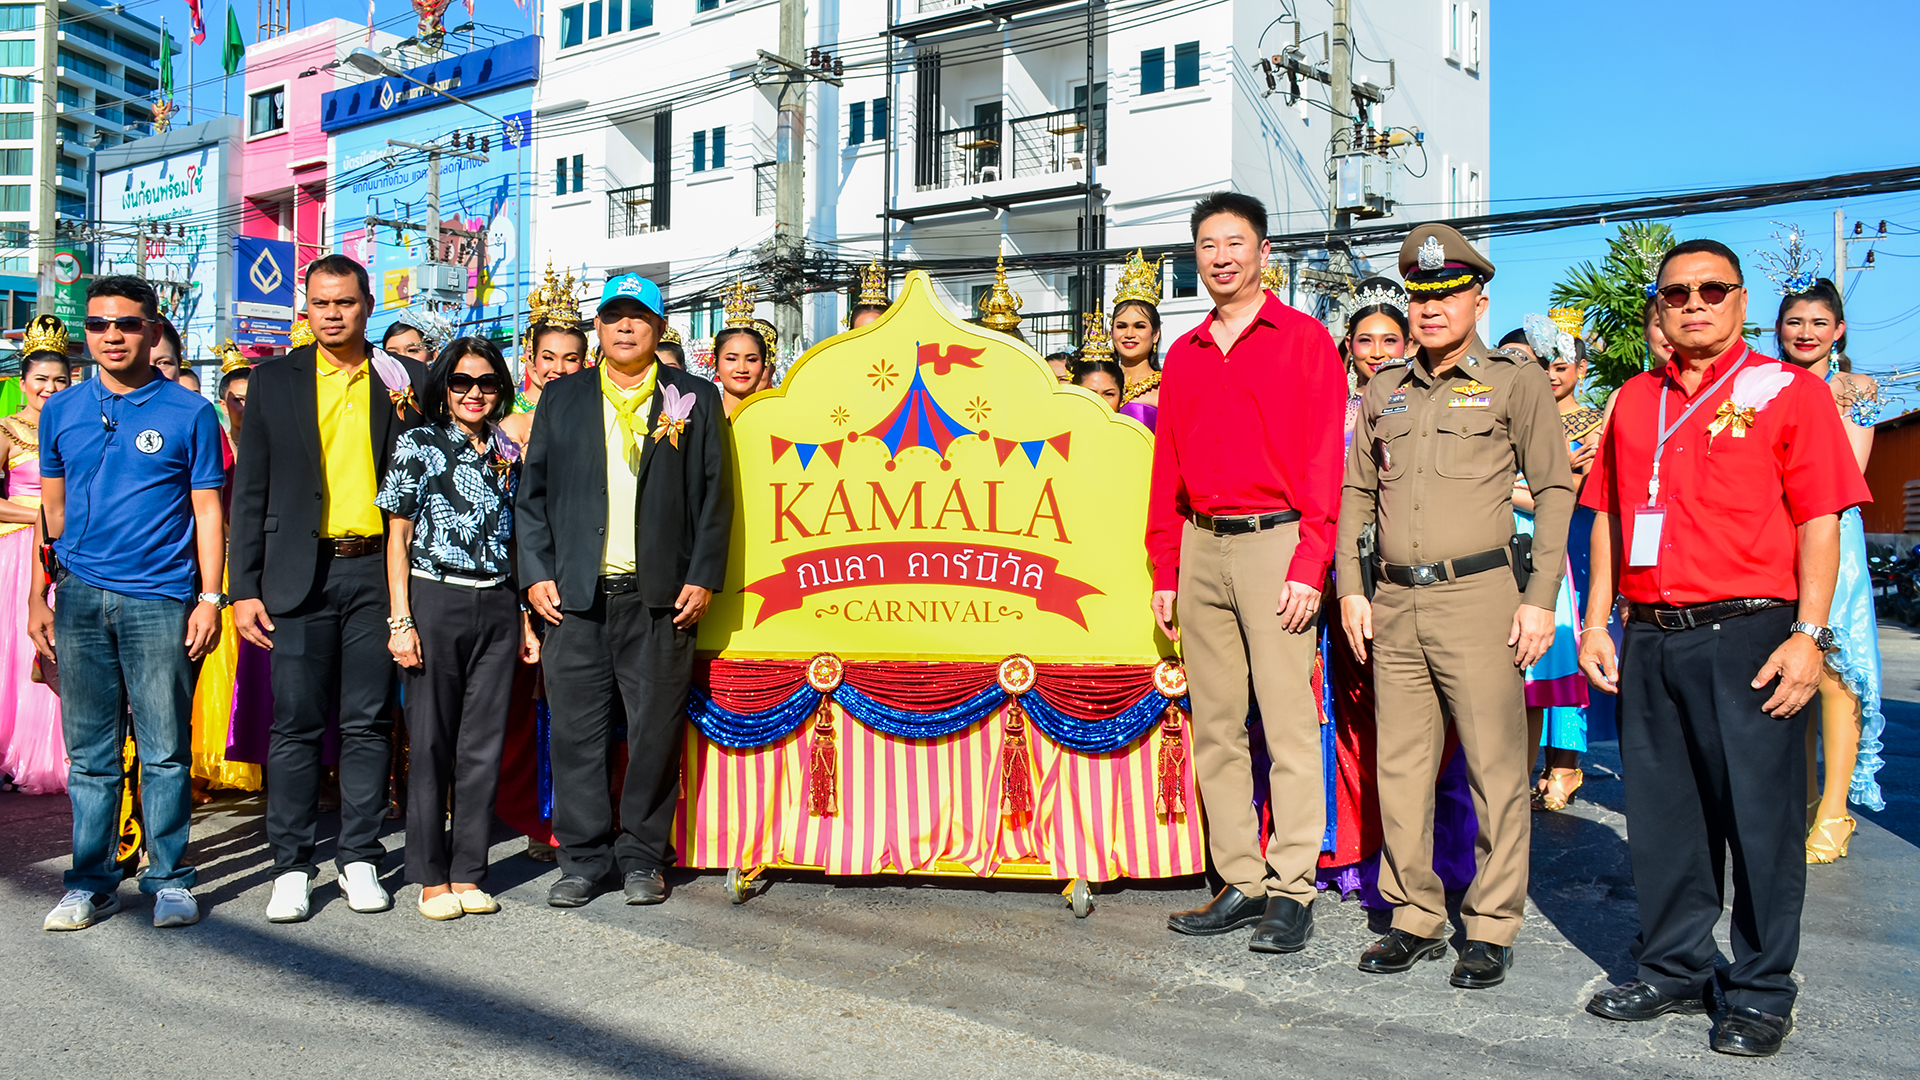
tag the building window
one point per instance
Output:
(18, 125)
(706, 5)
(571, 23)
(699, 151)
(856, 123)
(614, 8)
(1153, 70)
(14, 234)
(68, 96)
(1186, 277)
(639, 14)
(593, 20)
(16, 197)
(267, 111)
(16, 90)
(579, 172)
(1473, 40)
(1186, 64)
(17, 16)
(73, 206)
(569, 174)
(1453, 191)
(710, 149)
(16, 162)
(1473, 193)
(18, 53)
(1455, 29)
(560, 176)
(879, 114)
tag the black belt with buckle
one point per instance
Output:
(1434, 573)
(1240, 524)
(351, 547)
(615, 584)
(1686, 618)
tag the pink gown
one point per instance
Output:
(33, 751)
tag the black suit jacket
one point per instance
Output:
(685, 513)
(273, 548)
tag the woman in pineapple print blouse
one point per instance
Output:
(456, 623)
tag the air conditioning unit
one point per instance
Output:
(438, 281)
(1365, 184)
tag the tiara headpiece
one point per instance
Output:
(1795, 266)
(553, 302)
(767, 334)
(1571, 319)
(873, 286)
(737, 299)
(1139, 280)
(433, 326)
(1095, 342)
(1000, 307)
(1385, 294)
(46, 333)
(670, 336)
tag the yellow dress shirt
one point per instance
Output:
(620, 554)
(347, 482)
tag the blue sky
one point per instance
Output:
(1664, 95)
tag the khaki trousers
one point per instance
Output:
(1441, 651)
(1230, 629)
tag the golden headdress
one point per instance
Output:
(670, 336)
(1273, 277)
(46, 333)
(767, 334)
(1571, 319)
(873, 286)
(1095, 342)
(1139, 280)
(1000, 307)
(737, 299)
(553, 302)
(301, 334)
(231, 358)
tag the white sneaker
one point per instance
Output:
(289, 900)
(361, 882)
(79, 909)
(175, 907)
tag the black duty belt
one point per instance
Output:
(1434, 573)
(1686, 618)
(1239, 524)
(615, 584)
(351, 547)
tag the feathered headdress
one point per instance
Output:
(1794, 267)
(1549, 340)
(1648, 252)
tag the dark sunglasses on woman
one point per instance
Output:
(489, 384)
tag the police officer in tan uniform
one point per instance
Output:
(1450, 625)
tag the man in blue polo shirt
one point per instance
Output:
(132, 471)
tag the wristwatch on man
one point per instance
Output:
(1822, 635)
(217, 599)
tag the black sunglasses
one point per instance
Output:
(462, 383)
(126, 324)
(1714, 293)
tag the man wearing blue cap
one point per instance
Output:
(624, 515)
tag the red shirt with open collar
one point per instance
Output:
(1733, 502)
(1251, 429)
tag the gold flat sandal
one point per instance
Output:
(1829, 839)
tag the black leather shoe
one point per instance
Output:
(646, 887)
(571, 890)
(1286, 928)
(1481, 966)
(1225, 913)
(1750, 1033)
(1643, 1001)
(1399, 951)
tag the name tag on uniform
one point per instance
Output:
(1391, 409)
(1647, 523)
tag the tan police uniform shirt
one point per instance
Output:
(1433, 460)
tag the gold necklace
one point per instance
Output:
(18, 439)
(1139, 387)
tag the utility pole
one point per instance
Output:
(1340, 63)
(435, 231)
(47, 151)
(1840, 252)
(790, 175)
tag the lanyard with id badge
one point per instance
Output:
(1649, 520)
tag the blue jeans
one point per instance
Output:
(117, 651)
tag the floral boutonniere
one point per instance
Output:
(1753, 389)
(506, 453)
(675, 409)
(393, 374)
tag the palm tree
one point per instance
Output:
(1614, 296)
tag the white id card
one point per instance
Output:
(1647, 522)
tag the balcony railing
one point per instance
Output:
(765, 192)
(1052, 142)
(1051, 331)
(72, 170)
(629, 211)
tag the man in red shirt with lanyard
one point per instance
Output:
(1240, 527)
(1718, 491)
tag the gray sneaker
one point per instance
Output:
(175, 907)
(80, 909)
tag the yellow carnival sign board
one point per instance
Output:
(925, 489)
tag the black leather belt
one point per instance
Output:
(351, 547)
(1434, 573)
(1686, 618)
(1240, 524)
(615, 584)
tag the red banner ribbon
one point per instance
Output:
(908, 562)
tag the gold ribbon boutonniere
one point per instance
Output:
(402, 401)
(675, 410)
(1738, 417)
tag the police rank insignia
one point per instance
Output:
(1473, 395)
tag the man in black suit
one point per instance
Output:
(308, 580)
(624, 516)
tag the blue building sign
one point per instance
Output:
(264, 274)
(484, 71)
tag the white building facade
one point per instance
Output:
(962, 130)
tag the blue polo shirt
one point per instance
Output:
(130, 462)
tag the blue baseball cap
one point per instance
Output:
(633, 287)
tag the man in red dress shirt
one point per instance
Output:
(1240, 528)
(1718, 490)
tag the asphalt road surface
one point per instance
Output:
(907, 977)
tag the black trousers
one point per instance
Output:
(1708, 774)
(457, 720)
(620, 649)
(331, 651)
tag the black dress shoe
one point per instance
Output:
(1225, 913)
(1750, 1033)
(1287, 926)
(646, 887)
(1643, 1001)
(1399, 951)
(1481, 966)
(571, 890)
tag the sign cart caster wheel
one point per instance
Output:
(1080, 898)
(739, 885)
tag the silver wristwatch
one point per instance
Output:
(1822, 635)
(217, 599)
